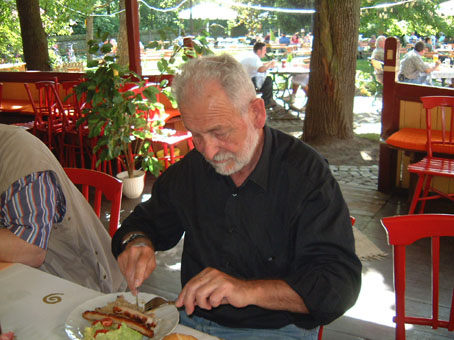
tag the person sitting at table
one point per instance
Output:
(413, 69)
(295, 39)
(379, 54)
(284, 40)
(268, 244)
(45, 222)
(298, 80)
(257, 72)
(429, 45)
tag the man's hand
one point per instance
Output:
(137, 262)
(211, 288)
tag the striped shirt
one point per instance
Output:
(31, 205)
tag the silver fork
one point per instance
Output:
(156, 302)
(137, 298)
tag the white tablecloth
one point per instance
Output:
(35, 305)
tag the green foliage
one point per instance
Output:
(10, 38)
(117, 117)
(417, 16)
(180, 54)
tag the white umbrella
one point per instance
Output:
(209, 11)
(446, 8)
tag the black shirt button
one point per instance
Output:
(234, 194)
(271, 258)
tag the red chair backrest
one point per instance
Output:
(403, 231)
(445, 124)
(49, 104)
(103, 183)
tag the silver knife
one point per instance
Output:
(137, 298)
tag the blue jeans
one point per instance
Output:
(290, 332)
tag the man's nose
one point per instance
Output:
(208, 147)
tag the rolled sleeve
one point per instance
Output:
(326, 272)
(31, 205)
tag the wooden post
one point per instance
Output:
(390, 118)
(132, 24)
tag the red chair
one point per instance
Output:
(103, 183)
(431, 166)
(75, 139)
(403, 231)
(49, 114)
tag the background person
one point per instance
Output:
(257, 72)
(268, 244)
(379, 54)
(45, 222)
(413, 69)
(284, 40)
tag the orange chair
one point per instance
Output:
(49, 114)
(103, 183)
(431, 166)
(403, 231)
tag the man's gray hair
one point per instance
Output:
(224, 69)
(380, 38)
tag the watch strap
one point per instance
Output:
(131, 238)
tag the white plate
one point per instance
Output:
(167, 317)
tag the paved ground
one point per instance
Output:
(367, 119)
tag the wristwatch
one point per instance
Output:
(131, 238)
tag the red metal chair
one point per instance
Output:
(431, 166)
(403, 231)
(103, 183)
(49, 114)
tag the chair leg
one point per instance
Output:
(416, 194)
(425, 193)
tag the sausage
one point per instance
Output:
(134, 314)
(135, 325)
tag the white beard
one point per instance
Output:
(241, 159)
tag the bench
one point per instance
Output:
(403, 137)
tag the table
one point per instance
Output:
(35, 305)
(286, 73)
(443, 73)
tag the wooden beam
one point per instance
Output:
(132, 24)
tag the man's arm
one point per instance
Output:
(14, 249)
(137, 261)
(211, 288)
(266, 66)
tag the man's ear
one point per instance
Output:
(259, 113)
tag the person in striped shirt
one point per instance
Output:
(45, 221)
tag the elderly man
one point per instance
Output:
(257, 72)
(45, 221)
(268, 244)
(413, 69)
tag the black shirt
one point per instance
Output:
(287, 221)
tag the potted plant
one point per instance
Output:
(117, 113)
(117, 101)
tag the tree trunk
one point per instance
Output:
(34, 39)
(329, 111)
(122, 47)
(89, 35)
